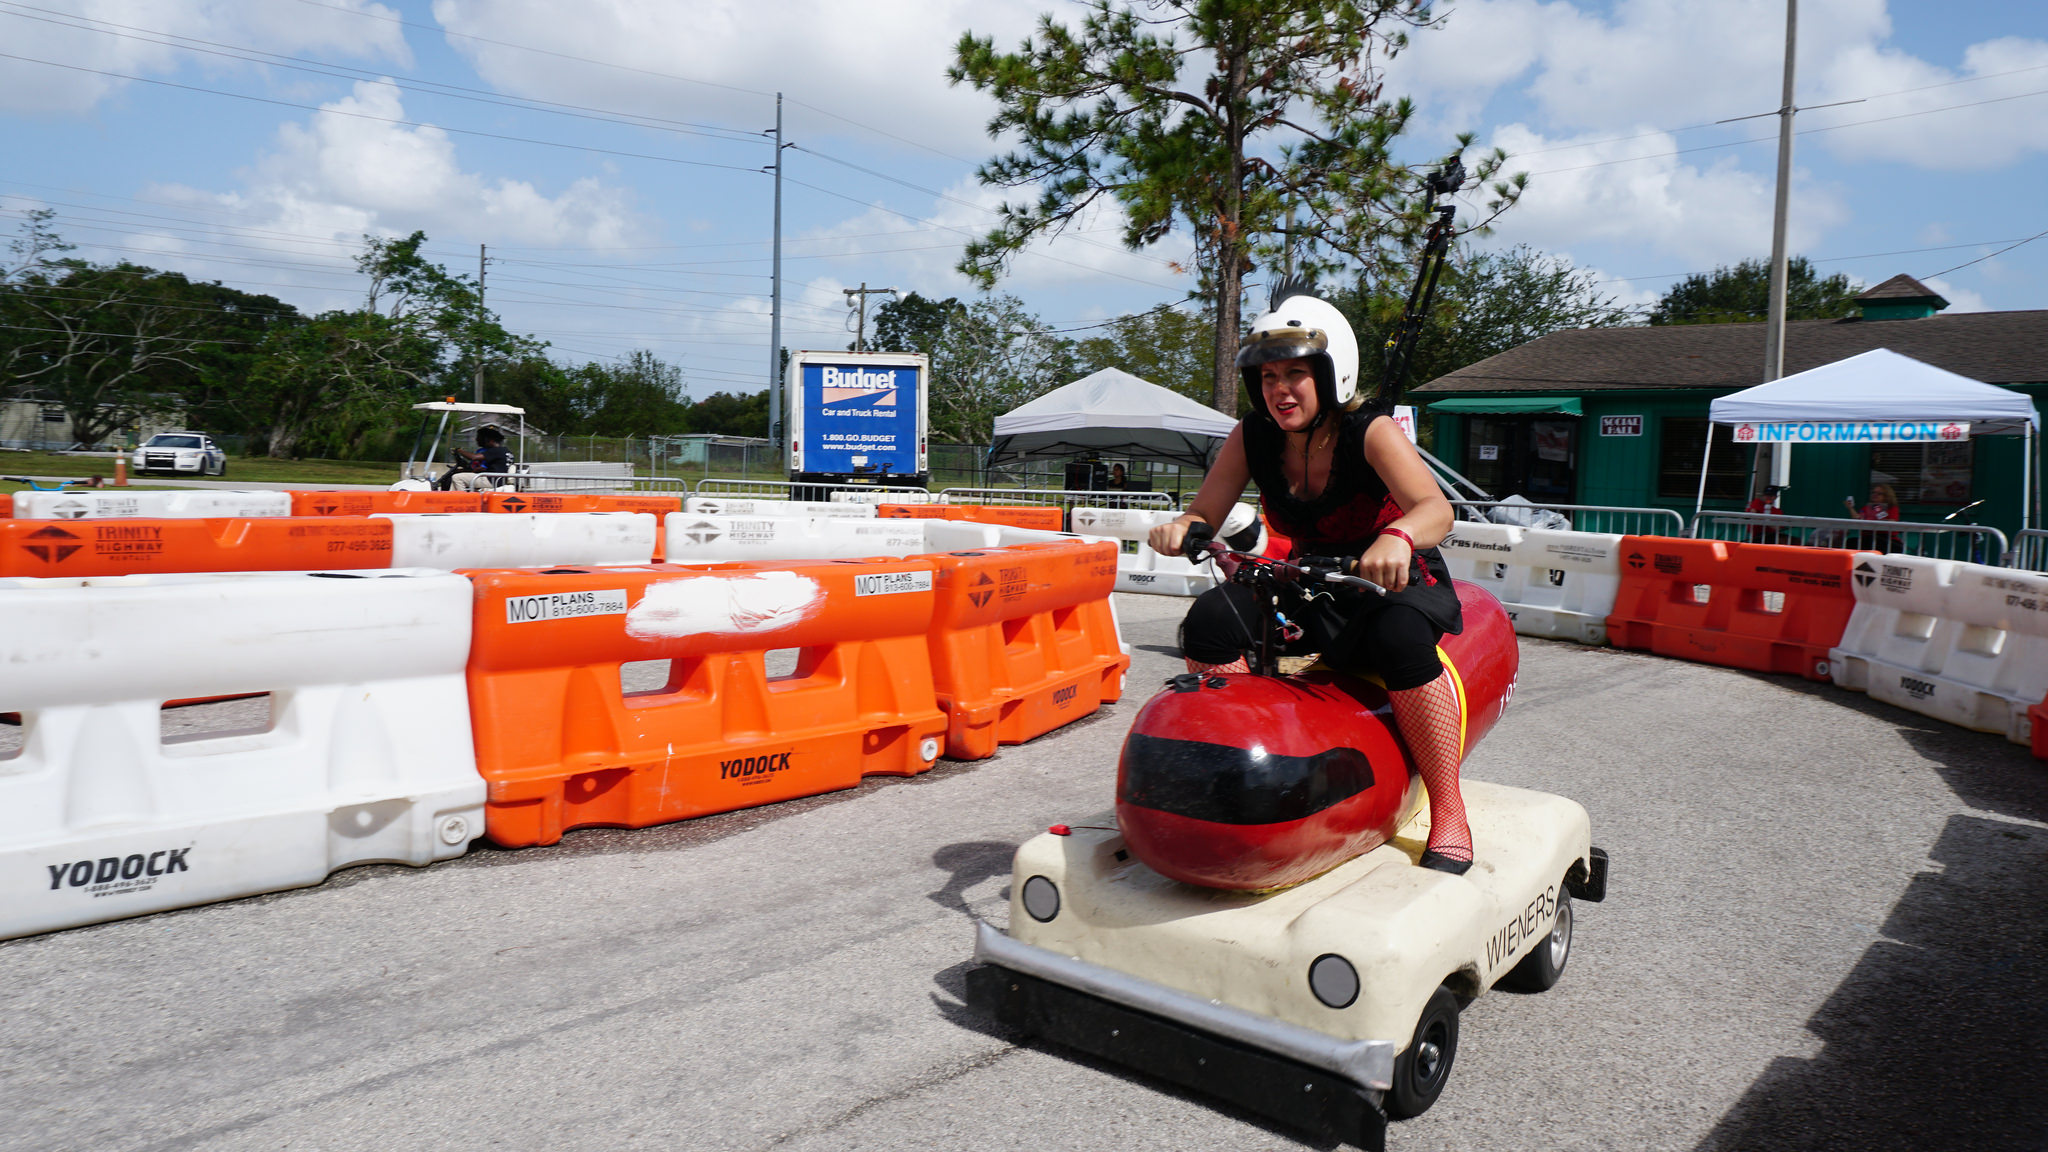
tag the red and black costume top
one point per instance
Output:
(1347, 516)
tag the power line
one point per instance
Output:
(1800, 132)
(1718, 123)
(439, 30)
(1989, 255)
(381, 119)
(350, 72)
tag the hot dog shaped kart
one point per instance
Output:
(1250, 921)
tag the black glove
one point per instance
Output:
(1195, 544)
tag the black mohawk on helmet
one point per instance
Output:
(1286, 286)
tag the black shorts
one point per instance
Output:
(1355, 632)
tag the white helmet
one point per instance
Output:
(1301, 327)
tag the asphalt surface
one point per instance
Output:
(1827, 927)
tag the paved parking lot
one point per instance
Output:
(1827, 928)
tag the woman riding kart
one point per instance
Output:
(1337, 477)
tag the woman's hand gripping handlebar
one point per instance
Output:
(1200, 544)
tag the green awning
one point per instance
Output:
(1510, 405)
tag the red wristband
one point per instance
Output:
(1409, 540)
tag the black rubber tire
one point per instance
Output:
(1540, 969)
(1421, 1072)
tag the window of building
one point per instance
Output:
(1681, 440)
(53, 414)
(1532, 456)
(1923, 473)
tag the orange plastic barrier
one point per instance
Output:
(371, 503)
(561, 745)
(1045, 518)
(660, 506)
(6, 505)
(258, 544)
(1023, 641)
(1659, 611)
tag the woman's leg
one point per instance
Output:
(1399, 643)
(1429, 722)
(1216, 632)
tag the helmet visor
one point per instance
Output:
(1281, 344)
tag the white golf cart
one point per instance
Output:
(423, 470)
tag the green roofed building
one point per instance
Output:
(1619, 415)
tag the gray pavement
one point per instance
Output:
(1827, 928)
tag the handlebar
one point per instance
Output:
(1200, 544)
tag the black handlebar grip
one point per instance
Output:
(1200, 533)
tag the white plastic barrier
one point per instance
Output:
(856, 497)
(748, 506)
(1964, 643)
(694, 538)
(365, 757)
(962, 535)
(519, 539)
(171, 505)
(1145, 570)
(1553, 583)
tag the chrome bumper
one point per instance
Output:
(1366, 1063)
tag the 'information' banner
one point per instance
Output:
(1852, 432)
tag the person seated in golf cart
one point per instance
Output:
(479, 471)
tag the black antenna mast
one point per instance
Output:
(1399, 354)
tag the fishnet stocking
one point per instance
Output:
(1429, 722)
(1237, 665)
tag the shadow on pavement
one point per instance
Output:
(1938, 1036)
(969, 863)
(1984, 770)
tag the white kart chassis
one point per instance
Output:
(1236, 964)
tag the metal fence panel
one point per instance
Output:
(1618, 519)
(789, 489)
(2030, 550)
(1065, 499)
(1977, 543)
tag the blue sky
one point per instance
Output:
(176, 133)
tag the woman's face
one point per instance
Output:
(1877, 496)
(1289, 389)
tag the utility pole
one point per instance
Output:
(1774, 320)
(775, 301)
(857, 298)
(477, 346)
(1774, 331)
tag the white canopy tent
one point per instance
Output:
(1878, 387)
(1113, 412)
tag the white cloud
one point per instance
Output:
(1658, 205)
(334, 178)
(881, 64)
(1996, 116)
(1959, 299)
(102, 35)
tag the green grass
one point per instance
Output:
(239, 468)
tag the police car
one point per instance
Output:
(180, 452)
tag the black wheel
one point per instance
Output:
(1421, 1072)
(1540, 969)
